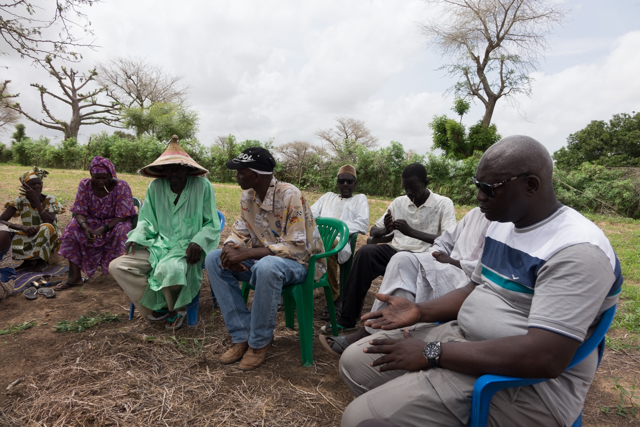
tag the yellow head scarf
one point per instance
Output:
(35, 172)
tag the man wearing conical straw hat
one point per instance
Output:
(161, 271)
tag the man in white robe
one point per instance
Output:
(423, 276)
(353, 211)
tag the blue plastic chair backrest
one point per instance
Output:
(596, 338)
(221, 216)
(487, 385)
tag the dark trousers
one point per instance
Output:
(368, 263)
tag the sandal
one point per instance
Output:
(158, 315)
(176, 321)
(47, 292)
(30, 293)
(325, 313)
(327, 330)
(66, 285)
(337, 345)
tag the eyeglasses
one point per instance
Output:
(348, 181)
(489, 189)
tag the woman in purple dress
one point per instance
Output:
(98, 232)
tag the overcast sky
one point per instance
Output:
(285, 69)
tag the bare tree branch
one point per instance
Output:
(70, 82)
(500, 40)
(7, 115)
(132, 82)
(24, 26)
(347, 129)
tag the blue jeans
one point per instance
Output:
(268, 275)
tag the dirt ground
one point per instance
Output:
(135, 373)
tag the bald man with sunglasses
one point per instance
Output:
(545, 277)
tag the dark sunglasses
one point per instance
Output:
(348, 181)
(489, 189)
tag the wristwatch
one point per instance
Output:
(432, 353)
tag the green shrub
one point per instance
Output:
(598, 189)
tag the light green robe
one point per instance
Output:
(166, 230)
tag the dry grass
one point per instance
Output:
(137, 374)
(122, 380)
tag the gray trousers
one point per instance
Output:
(130, 271)
(433, 397)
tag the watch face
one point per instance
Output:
(432, 351)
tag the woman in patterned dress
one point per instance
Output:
(38, 236)
(96, 235)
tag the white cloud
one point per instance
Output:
(565, 102)
(285, 69)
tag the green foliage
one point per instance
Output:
(85, 322)
(28, 152)
(452, 137)
(379, 171)
(627, 404)
(595, 188)
(461, 107)
(452, 178)
(162, 121)
(6, 156)
(20, 133)
(15, 329)
(615, 144)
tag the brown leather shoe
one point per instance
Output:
(254, 357)
(235, 353)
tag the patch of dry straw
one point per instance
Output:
(116, 378)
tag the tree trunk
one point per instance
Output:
(488, 111)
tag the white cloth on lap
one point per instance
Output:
(421, 275)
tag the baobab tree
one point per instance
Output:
(86, 109)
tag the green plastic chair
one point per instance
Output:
(300, 297)
(345, 269)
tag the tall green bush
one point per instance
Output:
(595, 188)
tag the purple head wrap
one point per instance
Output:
(102, 165)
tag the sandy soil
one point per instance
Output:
(132, 373)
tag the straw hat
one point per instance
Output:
(173, 155)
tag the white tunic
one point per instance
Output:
(434, 216)
(353, 211)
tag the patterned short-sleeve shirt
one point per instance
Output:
(282, 222)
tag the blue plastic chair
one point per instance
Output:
(194, 305)
(488, 385)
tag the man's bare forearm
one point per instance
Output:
(258, 253)
(538, 354)
(425, 237)
(378, 231)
